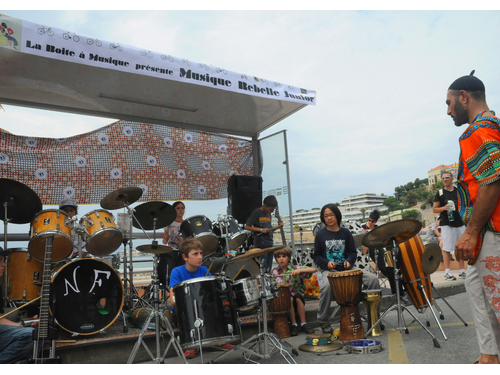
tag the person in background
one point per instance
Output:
(445, 204)
(70, 206)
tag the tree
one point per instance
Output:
(411, 214)
(392, 204)
(363, 210)
(411, 198)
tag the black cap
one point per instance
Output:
(3, 252)
(467, 83)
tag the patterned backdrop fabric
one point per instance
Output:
(166, 163)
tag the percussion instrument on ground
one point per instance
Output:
(363, 346)
(205, 312)
(54, 223)
(371, 299)
(279, 308)
(86, 296)
(411, 255)
(320, 343)
(346, 286)
(103, 235)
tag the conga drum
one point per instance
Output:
(413, 275)
(346, 286)
(280, 309)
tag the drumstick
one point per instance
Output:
(210, 268)
(283, 274)
(234, 278)
(20, 307)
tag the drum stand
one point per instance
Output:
(157, 315)
(399, 306)
(262, 339)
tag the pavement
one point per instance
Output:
(444, 334)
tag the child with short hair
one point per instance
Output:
(192, 252)
(293, 277)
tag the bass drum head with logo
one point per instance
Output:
(86, 296)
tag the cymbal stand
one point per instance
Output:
(223, 223)
(157, 315)
(263, 337)
(442, 316)
(399, 306)
(5, 224)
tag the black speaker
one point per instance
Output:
(244, 194)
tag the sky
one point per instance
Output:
(380, 78)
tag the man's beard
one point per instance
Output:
(461, 114)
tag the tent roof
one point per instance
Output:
(52, 70)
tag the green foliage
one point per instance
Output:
(411, 214)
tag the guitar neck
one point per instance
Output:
(45, 293)
(282, 231)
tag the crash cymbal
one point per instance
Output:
(146, 214)
(400, 231)
(121, 197)
(431, 258)
(154, 249)
(22, 202)
(253, 253)
(358, 239)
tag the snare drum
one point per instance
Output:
(86, 296)
(54, 223)
(104, 236)
(346, 286)
(22, 271)
(112, 260)
(200, 227)
(205, 312)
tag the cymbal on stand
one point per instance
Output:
(399, 231)
(254, 253)
(154, 249)
(431, 258)
(22, 202)
(146, 213)
(121, 197)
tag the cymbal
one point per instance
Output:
(22, 202)
(121, 197)
(431, 258)
(400, 231)
(253, 253)
(154, 249)
(146, 213)
(358, 239)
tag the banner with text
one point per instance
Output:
(42, 40)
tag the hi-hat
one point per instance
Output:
(254, 253)
(399, 231)
(154, 215)
(154, 248)
(121, 197)
(431, 258)
(22, 202)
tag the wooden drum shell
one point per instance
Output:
(279, 308)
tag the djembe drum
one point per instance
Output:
(280, 308)
(346, 286)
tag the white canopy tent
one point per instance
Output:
(48, 68)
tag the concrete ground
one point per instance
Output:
(449, 340)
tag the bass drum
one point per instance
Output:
(86, 296)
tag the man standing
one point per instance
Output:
(260, 222)
(478, 194)
(452, 227)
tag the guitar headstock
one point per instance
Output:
(277, 214)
